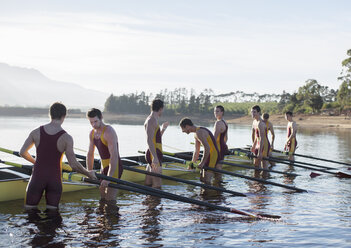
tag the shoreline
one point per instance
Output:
(303, 121)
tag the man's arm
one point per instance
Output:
(218, 129)
(164, 127)
(272, 133)
(293, 133)
(27, 145)
(253, 135)
(90, 154)
(196, 151)
(71, 157)
(261, 128)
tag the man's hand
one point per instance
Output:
(92, 175)
(104, 183)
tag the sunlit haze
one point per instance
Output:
(127, 46)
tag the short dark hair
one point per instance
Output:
(156, 104)
(185, 121)
(221, 108)
(57, 111)
(94, 112)
(257, 108)
(289, 113)
(266, 116)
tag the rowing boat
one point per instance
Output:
(13, 180)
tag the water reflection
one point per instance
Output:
(102, 224)
(47, 225)
(150, 224)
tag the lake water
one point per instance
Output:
(319, 218)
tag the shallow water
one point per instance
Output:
(319, 218)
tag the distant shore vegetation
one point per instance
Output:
(311, 98)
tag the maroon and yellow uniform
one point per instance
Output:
(214, 157)
(221, 142)
(102, 146)
(157, 140)
(266, 146)
(46, 173)
(291, 146)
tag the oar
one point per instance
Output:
(311, 157)
(288, 160)
(161, 193)
(242, 176)
(313, 174)
(171, 178)
(183, 181)
(303, 163)
(27, 167)
(243, 166)
(65, 166)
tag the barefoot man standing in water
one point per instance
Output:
(105, 139)
(260, 145)
(291, 143)
(51, 141)
(154, 142)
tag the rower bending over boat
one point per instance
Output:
(210, 157)
(291, 142)
(154, 142)
(221, 132)
(51, 141)
(270, 129)
(104, 138)
(260, 145)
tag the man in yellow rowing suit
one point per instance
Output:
(203, 137)
(221, 131)
(154, 142)
(291, 142)
(104, 138)
(260, 145)
(270, 129)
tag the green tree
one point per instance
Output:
(344, 93)
(309, 96)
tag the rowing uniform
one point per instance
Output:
(291, 147)
(46, 173)
(221, 143)
(102, 146)
(214, 157)
(266, 146)
(157, 140)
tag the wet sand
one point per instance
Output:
(303, 121)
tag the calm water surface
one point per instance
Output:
(319, 218)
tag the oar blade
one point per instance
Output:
(314, 174)
(342, 175)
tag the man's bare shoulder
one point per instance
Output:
(150, 121)
(109, 129)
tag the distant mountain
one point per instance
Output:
(30, 88)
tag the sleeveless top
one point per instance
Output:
(49, 158)
(221, 143)
(102, 146)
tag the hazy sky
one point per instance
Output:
(127, 46)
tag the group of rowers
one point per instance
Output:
(52, 141)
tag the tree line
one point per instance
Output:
(310, 98)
